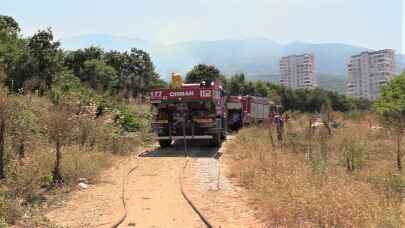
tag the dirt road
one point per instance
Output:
(153, 194)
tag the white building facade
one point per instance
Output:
(298, 71)
(368, 72)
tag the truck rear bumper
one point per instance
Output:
(187, 137)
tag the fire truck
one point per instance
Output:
(247, 110)
(189, 111)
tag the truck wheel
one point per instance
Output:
(216, 140)
(165, 143)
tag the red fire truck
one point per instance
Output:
(246, 110)
(189, 111)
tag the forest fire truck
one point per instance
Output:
(189, 111)
(247, 110)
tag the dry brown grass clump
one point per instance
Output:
(313, 180)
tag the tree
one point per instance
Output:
(60, 126)
(3, 117)
(2, 75)
(391, 108)
(11, 47)
(261, 89)
(22, 124)
(159, 83)
(142, 72)
(75, 60)
(236, 84)
(136, 71)
(8, 26)
(46, 59)
(203, 72)
(99, 76)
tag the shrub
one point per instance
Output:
(129, 120)
(24, 177)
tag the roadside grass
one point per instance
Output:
(348, 179)
(92, 147)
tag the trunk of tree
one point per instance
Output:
(21, 149)
(310, 134)
(57, 177)
(399, 152)
(349, 162)
(2, 138)
(326, 124)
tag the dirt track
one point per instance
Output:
(153, 194)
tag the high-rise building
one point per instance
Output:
(368, 72)
(298, 71)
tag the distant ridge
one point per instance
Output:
(104, 41)
(255, 56)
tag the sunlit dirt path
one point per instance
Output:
(153, 194)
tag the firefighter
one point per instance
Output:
(279, 123)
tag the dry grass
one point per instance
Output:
(79, 162)
(306, 182)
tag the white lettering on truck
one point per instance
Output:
(182, 94)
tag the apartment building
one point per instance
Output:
(368, 72)
(298, 71)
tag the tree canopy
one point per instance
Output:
(203, 72)
(391, 104)
(35, 63)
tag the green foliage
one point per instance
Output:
(203, 72)
(23, 124)
(33, 63)
(159, 83)
(8, 26)
(129, 120)
(127, 73)
(47, 58)
(68, 85)
(99, 75)
(391, 104)
(46, 180)
(75, 60)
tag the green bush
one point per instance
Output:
(130, 120)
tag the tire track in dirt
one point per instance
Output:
(153, 194)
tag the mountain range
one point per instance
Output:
(257, 57)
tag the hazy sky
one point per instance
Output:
(370, 23)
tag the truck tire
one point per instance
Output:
(165, 143)
(216, 139)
